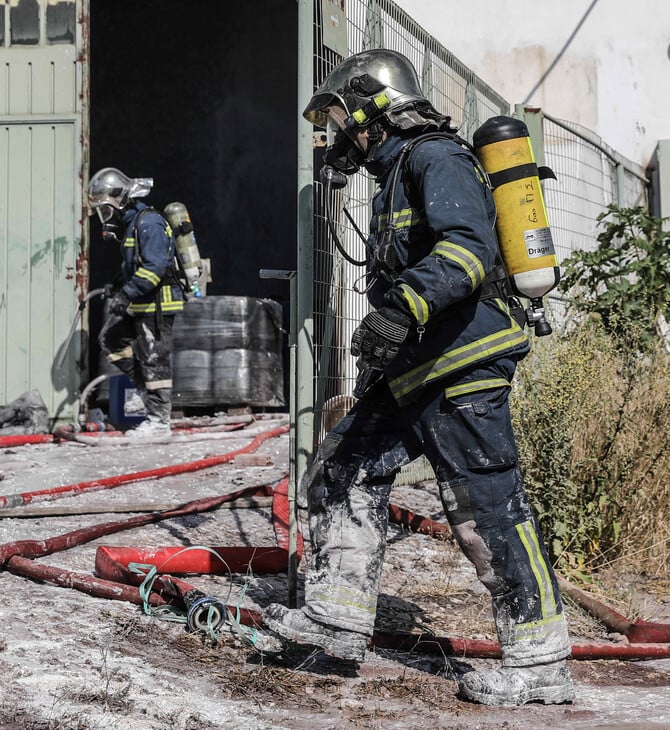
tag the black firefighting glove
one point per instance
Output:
(119, 303)
(378, 337)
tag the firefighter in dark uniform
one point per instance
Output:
(437, 355)
(145, 296)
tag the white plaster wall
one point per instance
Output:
(614, 78)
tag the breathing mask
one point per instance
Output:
(112, 230)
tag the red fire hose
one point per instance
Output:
(116, 581)
(637, 632)
(40, 548)
(25, 439)
(484, 649)
(418, 523)
(65, 433)
(14, 500)
(83, 582)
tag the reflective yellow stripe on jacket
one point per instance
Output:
(462, 257)
(476, 386)
(168, 304)
(405, 218)
(457, 359)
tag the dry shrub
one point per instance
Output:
(593, 425)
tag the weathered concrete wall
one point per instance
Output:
(614, 78)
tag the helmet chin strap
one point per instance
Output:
(377, 135)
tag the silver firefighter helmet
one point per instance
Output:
(371, 84)
(110, 190)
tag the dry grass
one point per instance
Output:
(593, 418)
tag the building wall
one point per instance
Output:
(614, 78)
(199, 95)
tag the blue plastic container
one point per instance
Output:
(121, 390)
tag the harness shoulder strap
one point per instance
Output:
(137, 257)
(496, 283)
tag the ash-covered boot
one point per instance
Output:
(294, 625)
(150, 428)
(549, 684)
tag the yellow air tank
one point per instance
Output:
(178, 217)
(502, 145)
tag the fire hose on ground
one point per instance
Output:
(18, 558)
(25, 439)
(14, 500)
(94, 438)
(75, 432)
(115, 579)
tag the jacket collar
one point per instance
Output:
(386, 154)
(132, 211)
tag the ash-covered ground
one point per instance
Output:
(78, 661)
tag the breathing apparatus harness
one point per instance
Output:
(386, 262)
(170, 277)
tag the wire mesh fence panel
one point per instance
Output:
(590, 176)
(585, 184)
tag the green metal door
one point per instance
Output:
(43, 269)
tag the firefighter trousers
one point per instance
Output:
(142, 350)
(467, 437)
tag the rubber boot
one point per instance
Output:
(546, 683)
(295, 626)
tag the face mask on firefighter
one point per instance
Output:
(110, 217)
(339, 121)
(347, 144)
(105, 212)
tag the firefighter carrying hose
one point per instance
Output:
(437, 355)
(144, 297)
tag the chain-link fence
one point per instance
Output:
(589, 176)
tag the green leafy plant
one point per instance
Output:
(626, 279)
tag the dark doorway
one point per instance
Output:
(201, 95)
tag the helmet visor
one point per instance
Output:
(337, 127)
(335, 116)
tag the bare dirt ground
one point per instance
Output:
(76, 661)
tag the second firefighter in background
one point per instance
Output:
(145, 296)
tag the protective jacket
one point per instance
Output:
(147, 266)
(445, 246)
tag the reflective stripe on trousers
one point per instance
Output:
(144, 354)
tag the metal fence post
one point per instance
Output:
(304, 366)
(292, 568)
(532, 117)
(620, 184)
